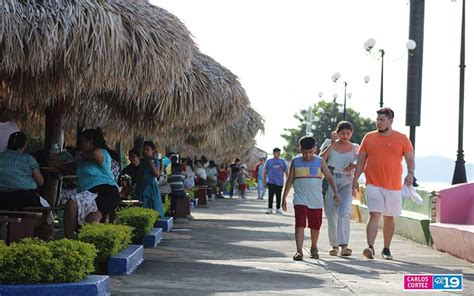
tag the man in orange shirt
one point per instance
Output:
(380, 158)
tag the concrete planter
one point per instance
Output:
(93, 285)
(165, 223)
(126, 261)
(153, 238)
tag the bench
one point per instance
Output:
(19, 224)
(453, 231)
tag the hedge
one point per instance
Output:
(167, 206)
(34, 261)
(142, 220)
(109, 239)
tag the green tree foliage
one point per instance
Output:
(325, 116)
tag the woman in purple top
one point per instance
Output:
(273, 173)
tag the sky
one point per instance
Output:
(285, 52)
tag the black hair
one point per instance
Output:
(16, 140)
(307, 142)
(174, 158)
(276, 150)
(96, 136)
(114, 155)
(237, 160)
(344, 125)
(203, 158)
(149, 144)
(175, 168)
(387, 112)
(212, 164)
(135, 151)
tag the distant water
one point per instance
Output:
(433, 186)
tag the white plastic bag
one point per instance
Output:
(410, 192)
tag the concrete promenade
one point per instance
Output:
(232, 248)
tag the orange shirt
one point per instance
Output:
(384, 158)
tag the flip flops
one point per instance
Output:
(298, 256)
(346, 252)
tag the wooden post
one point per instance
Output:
(54, 134)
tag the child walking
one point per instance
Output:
(242, 181)
(306, 171)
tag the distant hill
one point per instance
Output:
(439, 169)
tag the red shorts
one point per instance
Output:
(242, 187)
(314, 217)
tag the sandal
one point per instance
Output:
(314, 253)
(298, 256)
(346, 252)
(334, 251)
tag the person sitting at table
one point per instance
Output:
(148, 189)
(129, 184)
(20, 178)
(94, 175)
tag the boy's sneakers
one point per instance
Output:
(278, 211)
(386, 254)
(269, 211)
(369, 252)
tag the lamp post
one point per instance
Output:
(460, 169)
(334, 78)
(369, 44)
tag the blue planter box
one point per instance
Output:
(166, 223)
(93, 285)
(126, 261)
(153, 238)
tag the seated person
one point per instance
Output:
(129, 184)
(94, 175)
(20, 178)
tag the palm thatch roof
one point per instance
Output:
(70, 49)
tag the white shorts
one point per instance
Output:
(385, 201)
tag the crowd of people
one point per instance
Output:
(101, 185)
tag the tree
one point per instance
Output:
(325, 116)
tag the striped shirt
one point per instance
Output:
(307, 183)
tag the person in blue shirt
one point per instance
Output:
(273, 178)
(94, 174)
(258, 175)
(20, 178)
(148, 188)
(19, 175)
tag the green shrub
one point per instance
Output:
(73, 259)
(35, 261)
(250, 183)
(27, 263)
(190, 194)
(108, 239)
(167, 206)
(142, 220)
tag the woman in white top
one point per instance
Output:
(340, 156)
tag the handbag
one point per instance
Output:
(165, 187)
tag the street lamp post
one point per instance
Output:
(460, 169)
(369, 44)
(334, 78)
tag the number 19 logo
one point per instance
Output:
(450, 282)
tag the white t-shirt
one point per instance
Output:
(6, 129)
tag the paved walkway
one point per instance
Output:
(234, 248)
